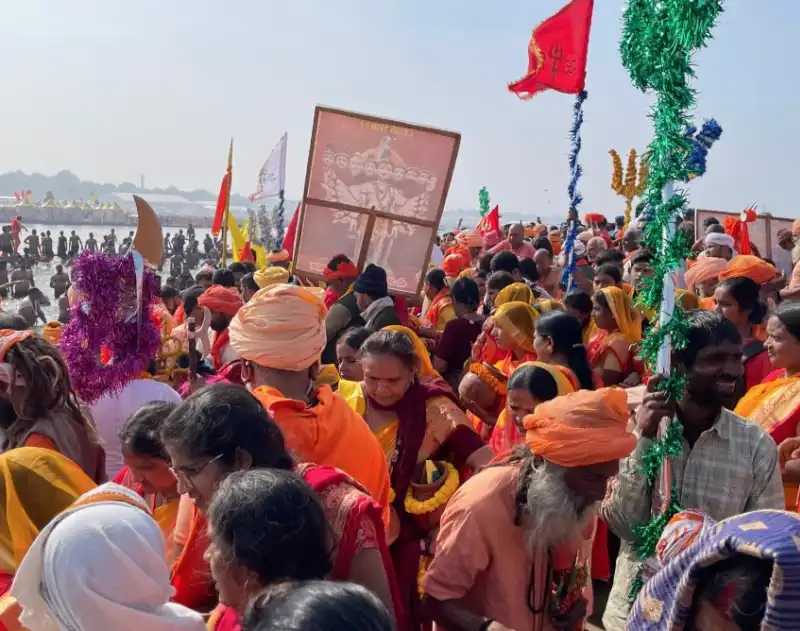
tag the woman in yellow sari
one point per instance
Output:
(147, 467)
(514, 328)
(416, 417)
(775, 404)
(617, 328)
(35, 485)
(354, 393)
(516, 292)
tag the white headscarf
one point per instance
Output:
(717, 238)
(100, 566)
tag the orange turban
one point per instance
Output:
(221, 299)
(581, 429)
(281, 327)
(452, 265)
(555, 241)
(749, 266)
(278, 256)
(470, 238)
(704, 268)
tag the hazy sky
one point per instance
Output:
(110, 90)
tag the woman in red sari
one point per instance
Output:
(775, 404)
(737, 299)
(617, 328)
(147, 467)
(223, 428)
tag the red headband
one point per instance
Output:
(345, 269)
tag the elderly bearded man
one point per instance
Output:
(515, 531)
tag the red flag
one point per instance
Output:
(490, 222)
(288, 240)
(246, 253)
(557, 52)
(737, 228)
(224, 199)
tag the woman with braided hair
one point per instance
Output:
(38, 407)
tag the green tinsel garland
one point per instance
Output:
(483, 201)
(658, 40)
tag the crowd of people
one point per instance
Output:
(304, 457)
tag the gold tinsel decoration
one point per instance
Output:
(635, 183)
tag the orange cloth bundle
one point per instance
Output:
(581, 429)
(748, 266)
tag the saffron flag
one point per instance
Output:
(557, 52)
(236, 235)
(291, 231)
(737, 228)
(272, 176)
(224, 199)
(490, 222)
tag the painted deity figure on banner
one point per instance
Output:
(377, 178)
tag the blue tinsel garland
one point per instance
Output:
(575, 198)
(701, 143)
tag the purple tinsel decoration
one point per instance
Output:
(99, 320)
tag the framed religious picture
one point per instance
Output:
(375, 190)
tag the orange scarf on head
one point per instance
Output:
(441, 301)
(581, 429)
(221, 340)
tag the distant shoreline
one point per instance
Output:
(78, 217)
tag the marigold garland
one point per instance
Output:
(489, 379)
(414, 506)
(424, 562)
(658, 40)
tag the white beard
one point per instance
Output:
(554, 515)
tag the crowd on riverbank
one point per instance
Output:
(295, 456)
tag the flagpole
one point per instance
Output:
(227, 207)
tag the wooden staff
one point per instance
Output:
(192, 349)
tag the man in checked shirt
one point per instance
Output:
(728, 465)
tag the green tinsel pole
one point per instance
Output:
(658, 40)
(483, 201)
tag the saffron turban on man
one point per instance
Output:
(470, 238)
(281, 327)
(704, 268)
(452, 265)
(278, 256)
(221, 299)
(749, 266)
(269, 276)
(343, 268)
(717, 238)
(581, 429)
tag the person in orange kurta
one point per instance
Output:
(514, 541)
(280, 334)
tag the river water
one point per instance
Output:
(43, 271)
